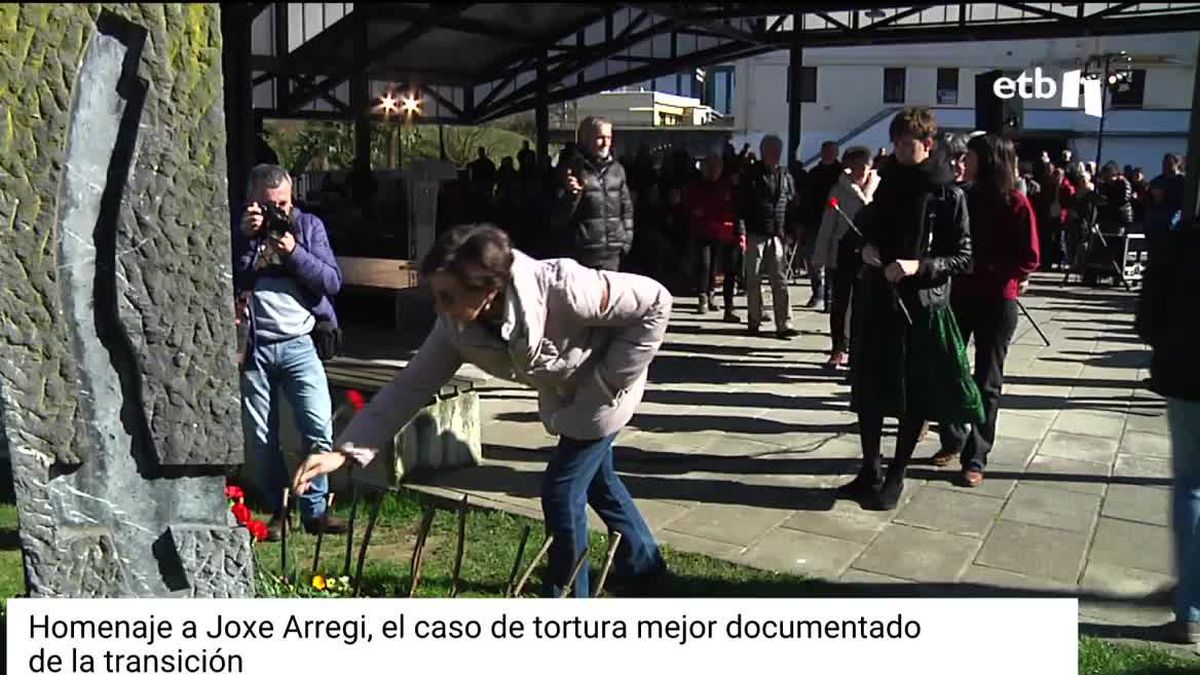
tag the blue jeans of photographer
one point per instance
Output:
(1184, 419)
(290, 367)
(582, 473)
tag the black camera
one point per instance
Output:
(277, 221)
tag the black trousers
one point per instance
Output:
(870, 432)
(993, 323)
(842, 283)
(708, 253)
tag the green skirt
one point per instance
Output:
(900, 370)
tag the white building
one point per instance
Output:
(850, 93)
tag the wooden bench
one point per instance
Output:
(380, 274)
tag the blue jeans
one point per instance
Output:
(1184, 419)
(293, 367)
(582, 473)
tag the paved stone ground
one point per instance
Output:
(740, 440)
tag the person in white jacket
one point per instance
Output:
(582, 338)
(853, 190)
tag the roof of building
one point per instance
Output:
(480, 61)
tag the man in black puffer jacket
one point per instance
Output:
(593, 212)
(765, 193)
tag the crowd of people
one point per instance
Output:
(913, 253)
(1068, 197)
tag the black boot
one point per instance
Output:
(864, 485)
(888, 496)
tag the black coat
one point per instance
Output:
(765, 200)
(1167, 318)
(919, 214)
(598, 222)
(821, 179)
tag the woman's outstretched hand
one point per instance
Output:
(316, 465)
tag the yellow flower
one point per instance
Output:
(331, 583)
(318, 582)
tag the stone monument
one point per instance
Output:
(118, 387)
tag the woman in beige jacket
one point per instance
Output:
(853, 190)
(582, 338)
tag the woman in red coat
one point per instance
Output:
(708, 205)
(1004, 237)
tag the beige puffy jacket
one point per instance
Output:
(582, 338)
(851, 198)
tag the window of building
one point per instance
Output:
(1130, 92)
(893, 85)
(719, 81)
(808, 85)
(947, 86)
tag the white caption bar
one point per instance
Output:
(534, 637)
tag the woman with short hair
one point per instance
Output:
(836, 248)
(582, 338)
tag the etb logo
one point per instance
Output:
(1040, 86)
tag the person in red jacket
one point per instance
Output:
(1063, 200)
(1005, 237)
(708, 205)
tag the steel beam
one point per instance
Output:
(726, 52)
(1191, 189)
(795, 107)
(542, 111)
(463, 24)
(595, 54)
(393, 44)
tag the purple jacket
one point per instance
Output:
(312, 264)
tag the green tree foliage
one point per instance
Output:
(318, 145)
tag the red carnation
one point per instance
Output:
(833, 202)
(258, 529)
(242, 513)
(234, 492)
(356, 399)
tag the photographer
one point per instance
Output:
(1117, 193)
(1168, 322)
(285, 270)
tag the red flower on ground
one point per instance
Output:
(258, 529)
(356, 399)
(234, 492)
(242, 513)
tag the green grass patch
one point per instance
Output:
(1097, 657)
(12, 574)
(491, 548)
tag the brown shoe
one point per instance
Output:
(333, 524)
(972, 477)
(943, 457)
